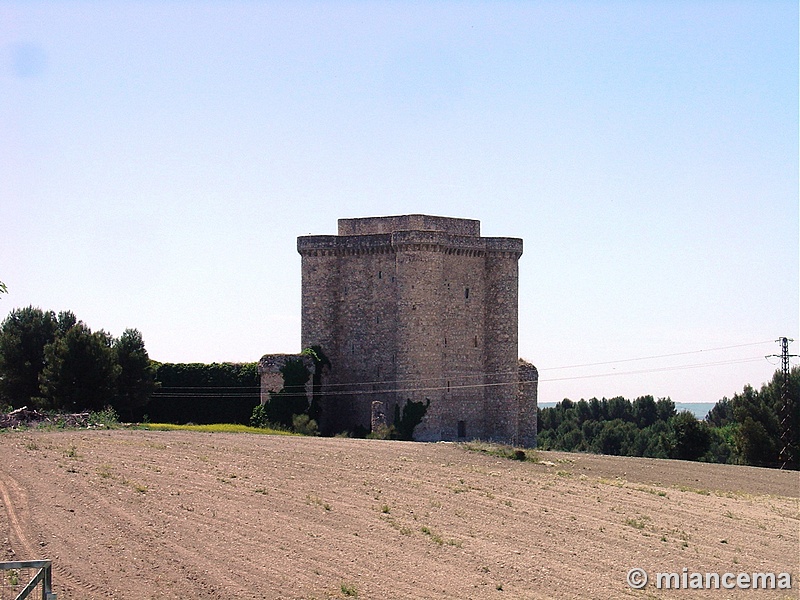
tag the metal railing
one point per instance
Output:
(14, 575)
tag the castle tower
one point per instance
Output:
(417, 307)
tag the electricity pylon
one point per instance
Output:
(785, 413)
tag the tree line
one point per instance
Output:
(54, 361)
(745, 429)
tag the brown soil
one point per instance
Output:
(140, 515)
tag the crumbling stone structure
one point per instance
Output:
(418, 307)
(269, 369)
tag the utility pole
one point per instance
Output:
(785, 414)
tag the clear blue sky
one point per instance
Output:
(159, 159)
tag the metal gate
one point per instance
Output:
(26, 579)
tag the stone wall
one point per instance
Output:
(417, 307)
(528, 403)
(269, 369)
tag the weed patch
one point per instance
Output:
(639, 523)
(317, 501)
(502, 451)
(216, 428)
(349, 590)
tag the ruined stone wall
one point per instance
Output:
(269, 369)
(528, 403)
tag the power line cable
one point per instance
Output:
(169, 393)
(466, 375)
(482, 374)
(658, 356)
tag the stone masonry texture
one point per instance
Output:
(418, 307)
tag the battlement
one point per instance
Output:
(381, 235)
(376, 225)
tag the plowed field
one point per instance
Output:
(161, 515)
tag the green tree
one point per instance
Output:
(615, 437)
(582, 412)
(721, 414)
(689, 438)
(572, 440)
(653, 441)
(644, 410)
(66, 320)
(80, 371)
(596, 409)
(24, 334)
(776, 416)
(755, 445)
(619, 408)
(665, 409)
(136, 381)
(722, 446)
(759, 419)
(760, 406)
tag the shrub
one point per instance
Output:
(304, 425)
(107, 417)
(259, 417)
(383, 433)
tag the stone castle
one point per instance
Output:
(416, 307)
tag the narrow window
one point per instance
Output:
(448, 386)
(380, 274)
(445, 340)
(466, 293)
(462, 429)
(475, 341)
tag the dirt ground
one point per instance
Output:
(161, 515)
